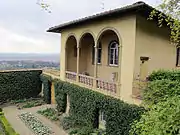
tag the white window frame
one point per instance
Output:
(115, 52)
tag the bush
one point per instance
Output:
(173, 75)
(85, 131)
(16, 85)
(160, 90)
(85, 105)
(46, 80)
(68, 123)
(50, 113)
(162, 119)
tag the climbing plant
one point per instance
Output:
(85, 105)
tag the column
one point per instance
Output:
(95, 66)
(119, 71)
(77, 76)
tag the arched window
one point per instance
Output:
(113, 53)
(99, 53)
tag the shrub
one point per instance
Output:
(16, 85)
(173, 75)
(68, 123)
(160, 90)
(50, 113)
(85, 105)
(85, 131)
(162, 119)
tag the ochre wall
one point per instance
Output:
(71, 60)
(153, 42)
(125, 27)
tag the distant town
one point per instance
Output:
(24, 61)
(8, 65)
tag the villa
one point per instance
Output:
(111, 52)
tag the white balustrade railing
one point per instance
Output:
(106, 85)
(71, 75)
(87, 80)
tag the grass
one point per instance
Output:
(49, 113)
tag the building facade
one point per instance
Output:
(112, 52)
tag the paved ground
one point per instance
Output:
(11, 113)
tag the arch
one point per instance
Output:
(71, 53)
(109, 29)
(86, 32)
(70, 35)
(86, 45)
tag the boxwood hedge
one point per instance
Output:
(16, 85)
(85, 105)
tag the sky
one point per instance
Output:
(23, 23)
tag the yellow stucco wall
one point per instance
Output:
(125, 27)
(153, 42)
(53, 99)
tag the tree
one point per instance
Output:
(44, 5)
(170, 15)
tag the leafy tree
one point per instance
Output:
(162, 119)
(170, 15)
(44, 5)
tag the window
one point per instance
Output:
(113, 53)
(99, 53)
(102, 117)
(178, 56)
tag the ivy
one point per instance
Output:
(85, 105)
(46, 80)
(15, 85)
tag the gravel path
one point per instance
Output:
(11, 113)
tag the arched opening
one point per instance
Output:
(71, 54)
(109, 41)
(85, 59)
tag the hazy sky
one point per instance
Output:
(23, 23)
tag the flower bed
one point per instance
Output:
(35, 124)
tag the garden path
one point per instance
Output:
(11, 113)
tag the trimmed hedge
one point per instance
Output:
(173, 75)
(85, 105)
(16, 85)
(46, 80)
(159, 90)
(7, 127)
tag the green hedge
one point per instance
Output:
(46, 80)
(159, 90)
(16, 85)
(85, 105)
(7, 127)
(165, 74)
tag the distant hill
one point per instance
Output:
(29, 56)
